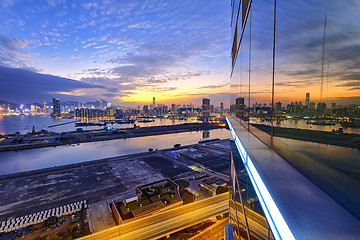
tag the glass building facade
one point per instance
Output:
(295, 86)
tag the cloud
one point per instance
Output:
(140, 25)
(300, 43)
(90, 5)
(7, 3)
(76, 56)
(215, 86)
(19, 85)
(102, 46)
(354, 85)
(297, 83)
(215, 98)
(138, 45)
(346, 100)
(11, 49)
(89, 45)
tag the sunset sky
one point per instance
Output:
(122, 51)
(126, 52)
(299, 45)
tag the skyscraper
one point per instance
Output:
(206, 108)
(152, 106)
(239, 107)
(222, 111)
(307, 100)
(56, 108)
(44, 109)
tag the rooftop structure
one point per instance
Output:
(146, 199)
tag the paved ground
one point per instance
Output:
(167, 166)
(194, 186)
(99, 217)
(216, 156)
(25, 193)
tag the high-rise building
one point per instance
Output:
(146, 109)
(321, 107)
(278, 108)
(307, 100)
(152, 106)
(312, 105)
(222, 111)
(56, 108)
(33, 109)
(206, 108)
(239, 107)
(333, 105)
(44, 109)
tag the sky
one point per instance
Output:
(299, 45)
(127, 52)
(124, 52)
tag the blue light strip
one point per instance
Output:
(279, 227)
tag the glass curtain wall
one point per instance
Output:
(295, 84)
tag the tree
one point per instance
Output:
(222, 189)
(53, 237)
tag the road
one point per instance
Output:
(214, 232)
(167, 222)
(257, 223)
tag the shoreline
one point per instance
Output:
(91, 136)
(349, 140)
(93, 180)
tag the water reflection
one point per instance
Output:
(342, 158)
(24, 124)
(299, 123)
(26, 160)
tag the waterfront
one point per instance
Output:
(23, 124)
(26, 160)
(300, 123)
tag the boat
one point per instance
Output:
(146, 120)
(128, 121)
(321, 123)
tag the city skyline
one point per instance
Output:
(122, 52)
(126, 53)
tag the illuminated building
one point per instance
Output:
(44, 109)
(206, 108)
(333, 105)
(239, 107)
(33, 109)
(145, 109)
(307, 100)
(222, 110)
(321, 107)
(312, 105)
(56, 108)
